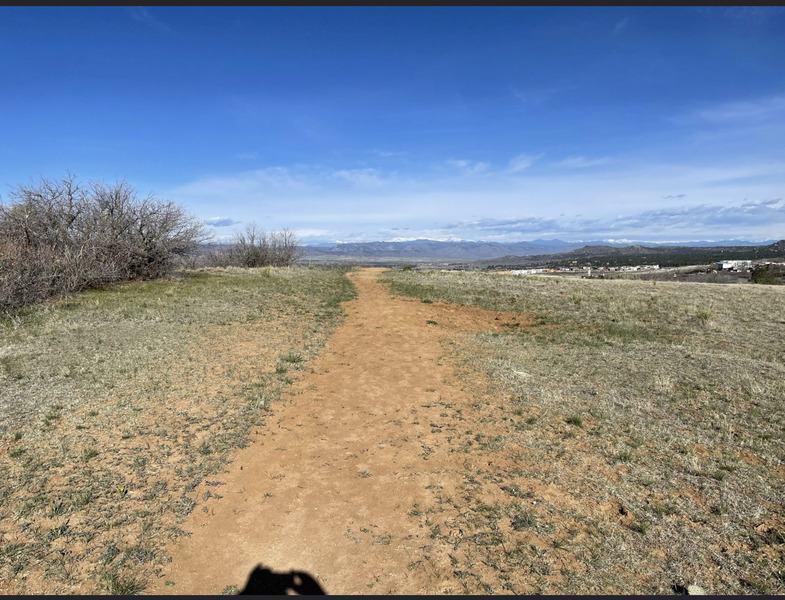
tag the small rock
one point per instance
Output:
(695, 590)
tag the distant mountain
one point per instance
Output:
(424, 249)
(433, 249)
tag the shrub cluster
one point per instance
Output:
(58, 237)
(770, 274)
(255, 247)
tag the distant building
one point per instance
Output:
(729, 265)
(528, 271)
(637, 267)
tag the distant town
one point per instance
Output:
(725, 271)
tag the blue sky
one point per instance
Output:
(360, 124)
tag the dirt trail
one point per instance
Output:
(328, 485)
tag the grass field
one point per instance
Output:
(633, 431)
(118, 404)
(626, 436)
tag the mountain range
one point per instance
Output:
(425, 249)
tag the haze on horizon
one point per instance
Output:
(357, 124)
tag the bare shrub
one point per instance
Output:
(27, 275)
(255, 247)
(251, 247)
(143, 236)
(286, 248)
(57, 237)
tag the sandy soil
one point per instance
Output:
(327, 487)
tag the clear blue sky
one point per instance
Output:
(359, 124)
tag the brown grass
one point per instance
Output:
(632, 437)
(117, 405)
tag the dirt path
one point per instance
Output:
(328, 486)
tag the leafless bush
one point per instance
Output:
(143, 236)
(286, 248)
(255, 247)
(57, 237)
(251, 247)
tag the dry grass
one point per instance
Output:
(117, 405)
(633, 436)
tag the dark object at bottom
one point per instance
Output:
(264, 582)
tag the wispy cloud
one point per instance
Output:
(520, 95)
(248, 188)
(525, 225)
(755, 14)
(620, 26)
(221, 222)
(759, 109)
(468, 167)
(533, 97)
(686, 222)
(671, 201)
(361, 177)
(581, 162)
(700, 217)
(522, 162)
(144, 16)
(387, 153)
(247, 155)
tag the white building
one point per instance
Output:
(727, 265)
(528, 271)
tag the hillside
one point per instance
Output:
(666, 256)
